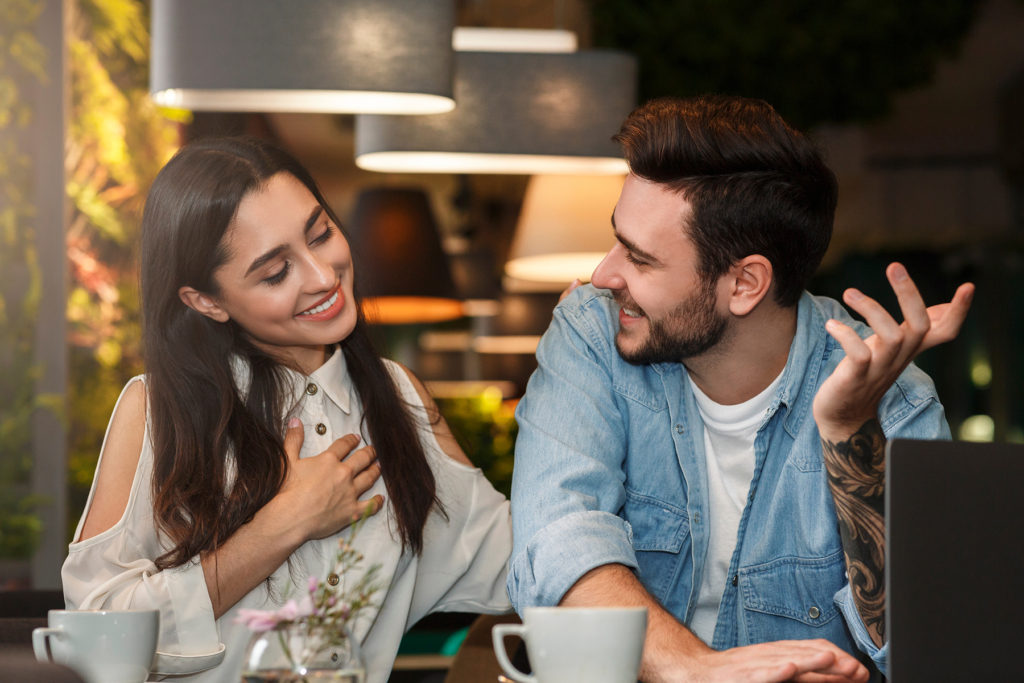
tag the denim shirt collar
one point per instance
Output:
(806, 352)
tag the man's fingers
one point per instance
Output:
(946, 319)
(856, 350)
(875, 315)
(293, 438)
(915, 313)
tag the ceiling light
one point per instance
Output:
(401, 271)
(519, 113)
(392, 56)
(564, 228)
(476, 39)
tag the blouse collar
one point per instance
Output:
(332, 378)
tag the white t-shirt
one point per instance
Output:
(729, 433)
(462, 567)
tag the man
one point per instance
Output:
(705, 438)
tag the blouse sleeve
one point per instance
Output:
(465, 558)
(116, 570)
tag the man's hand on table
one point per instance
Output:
(672, 653)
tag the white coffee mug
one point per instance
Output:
(576, 644)
(102, 646)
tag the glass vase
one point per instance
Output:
(303, 653)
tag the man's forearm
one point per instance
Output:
(856, 477)
(668, 645)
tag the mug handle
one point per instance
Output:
(498, 634)
(39, 636)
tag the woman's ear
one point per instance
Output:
(752, 278)
(203, 303)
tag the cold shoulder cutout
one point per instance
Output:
(118, 462)
(442, 433)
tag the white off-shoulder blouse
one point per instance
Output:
(462, 566)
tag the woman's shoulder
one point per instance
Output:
(118, 461)
(415, 392)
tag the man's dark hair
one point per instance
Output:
(756, 186)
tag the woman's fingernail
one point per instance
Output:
(899, 272)
(294, 422)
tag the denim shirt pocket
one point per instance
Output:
(660, 532)
(792, 598)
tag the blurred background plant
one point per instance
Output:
(117, 140)
(485, 427)
(815, 62)
(22, 61)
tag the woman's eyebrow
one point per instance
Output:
(276, 251)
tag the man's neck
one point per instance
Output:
(748, 359)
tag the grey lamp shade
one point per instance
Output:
(311, 56)
(401, 270)
(516, 112)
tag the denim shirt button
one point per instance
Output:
(696, 518)
(680, 429)
(814, 613)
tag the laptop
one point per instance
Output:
(954, 517)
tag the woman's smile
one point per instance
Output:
(326, 308)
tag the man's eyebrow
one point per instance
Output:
(263, 259)
(650, 258)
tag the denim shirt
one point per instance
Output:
(610, 469)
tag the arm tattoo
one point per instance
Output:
(856, 477)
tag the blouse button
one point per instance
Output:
(680, 429)
(814, 613)
(321, 428)
(333, 579)
(311, 389)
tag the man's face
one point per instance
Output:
(668, 312)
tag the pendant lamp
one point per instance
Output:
(516, 112)
(401, 271)
(390, 56)
(564, 230)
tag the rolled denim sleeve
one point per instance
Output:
(567, 486)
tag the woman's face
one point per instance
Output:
(287, 280)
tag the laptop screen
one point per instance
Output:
(954, 516)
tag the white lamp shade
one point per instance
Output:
(313, 56)
(564, 228)
(516, 113)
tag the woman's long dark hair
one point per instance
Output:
(198, 414)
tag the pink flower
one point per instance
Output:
(258, 620)
(306, 607)
(313, 584)
(292, 611)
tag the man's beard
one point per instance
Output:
(691, 329)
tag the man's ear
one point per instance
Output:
(751, 278)
(203, 303)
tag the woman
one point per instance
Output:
(234, 464)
